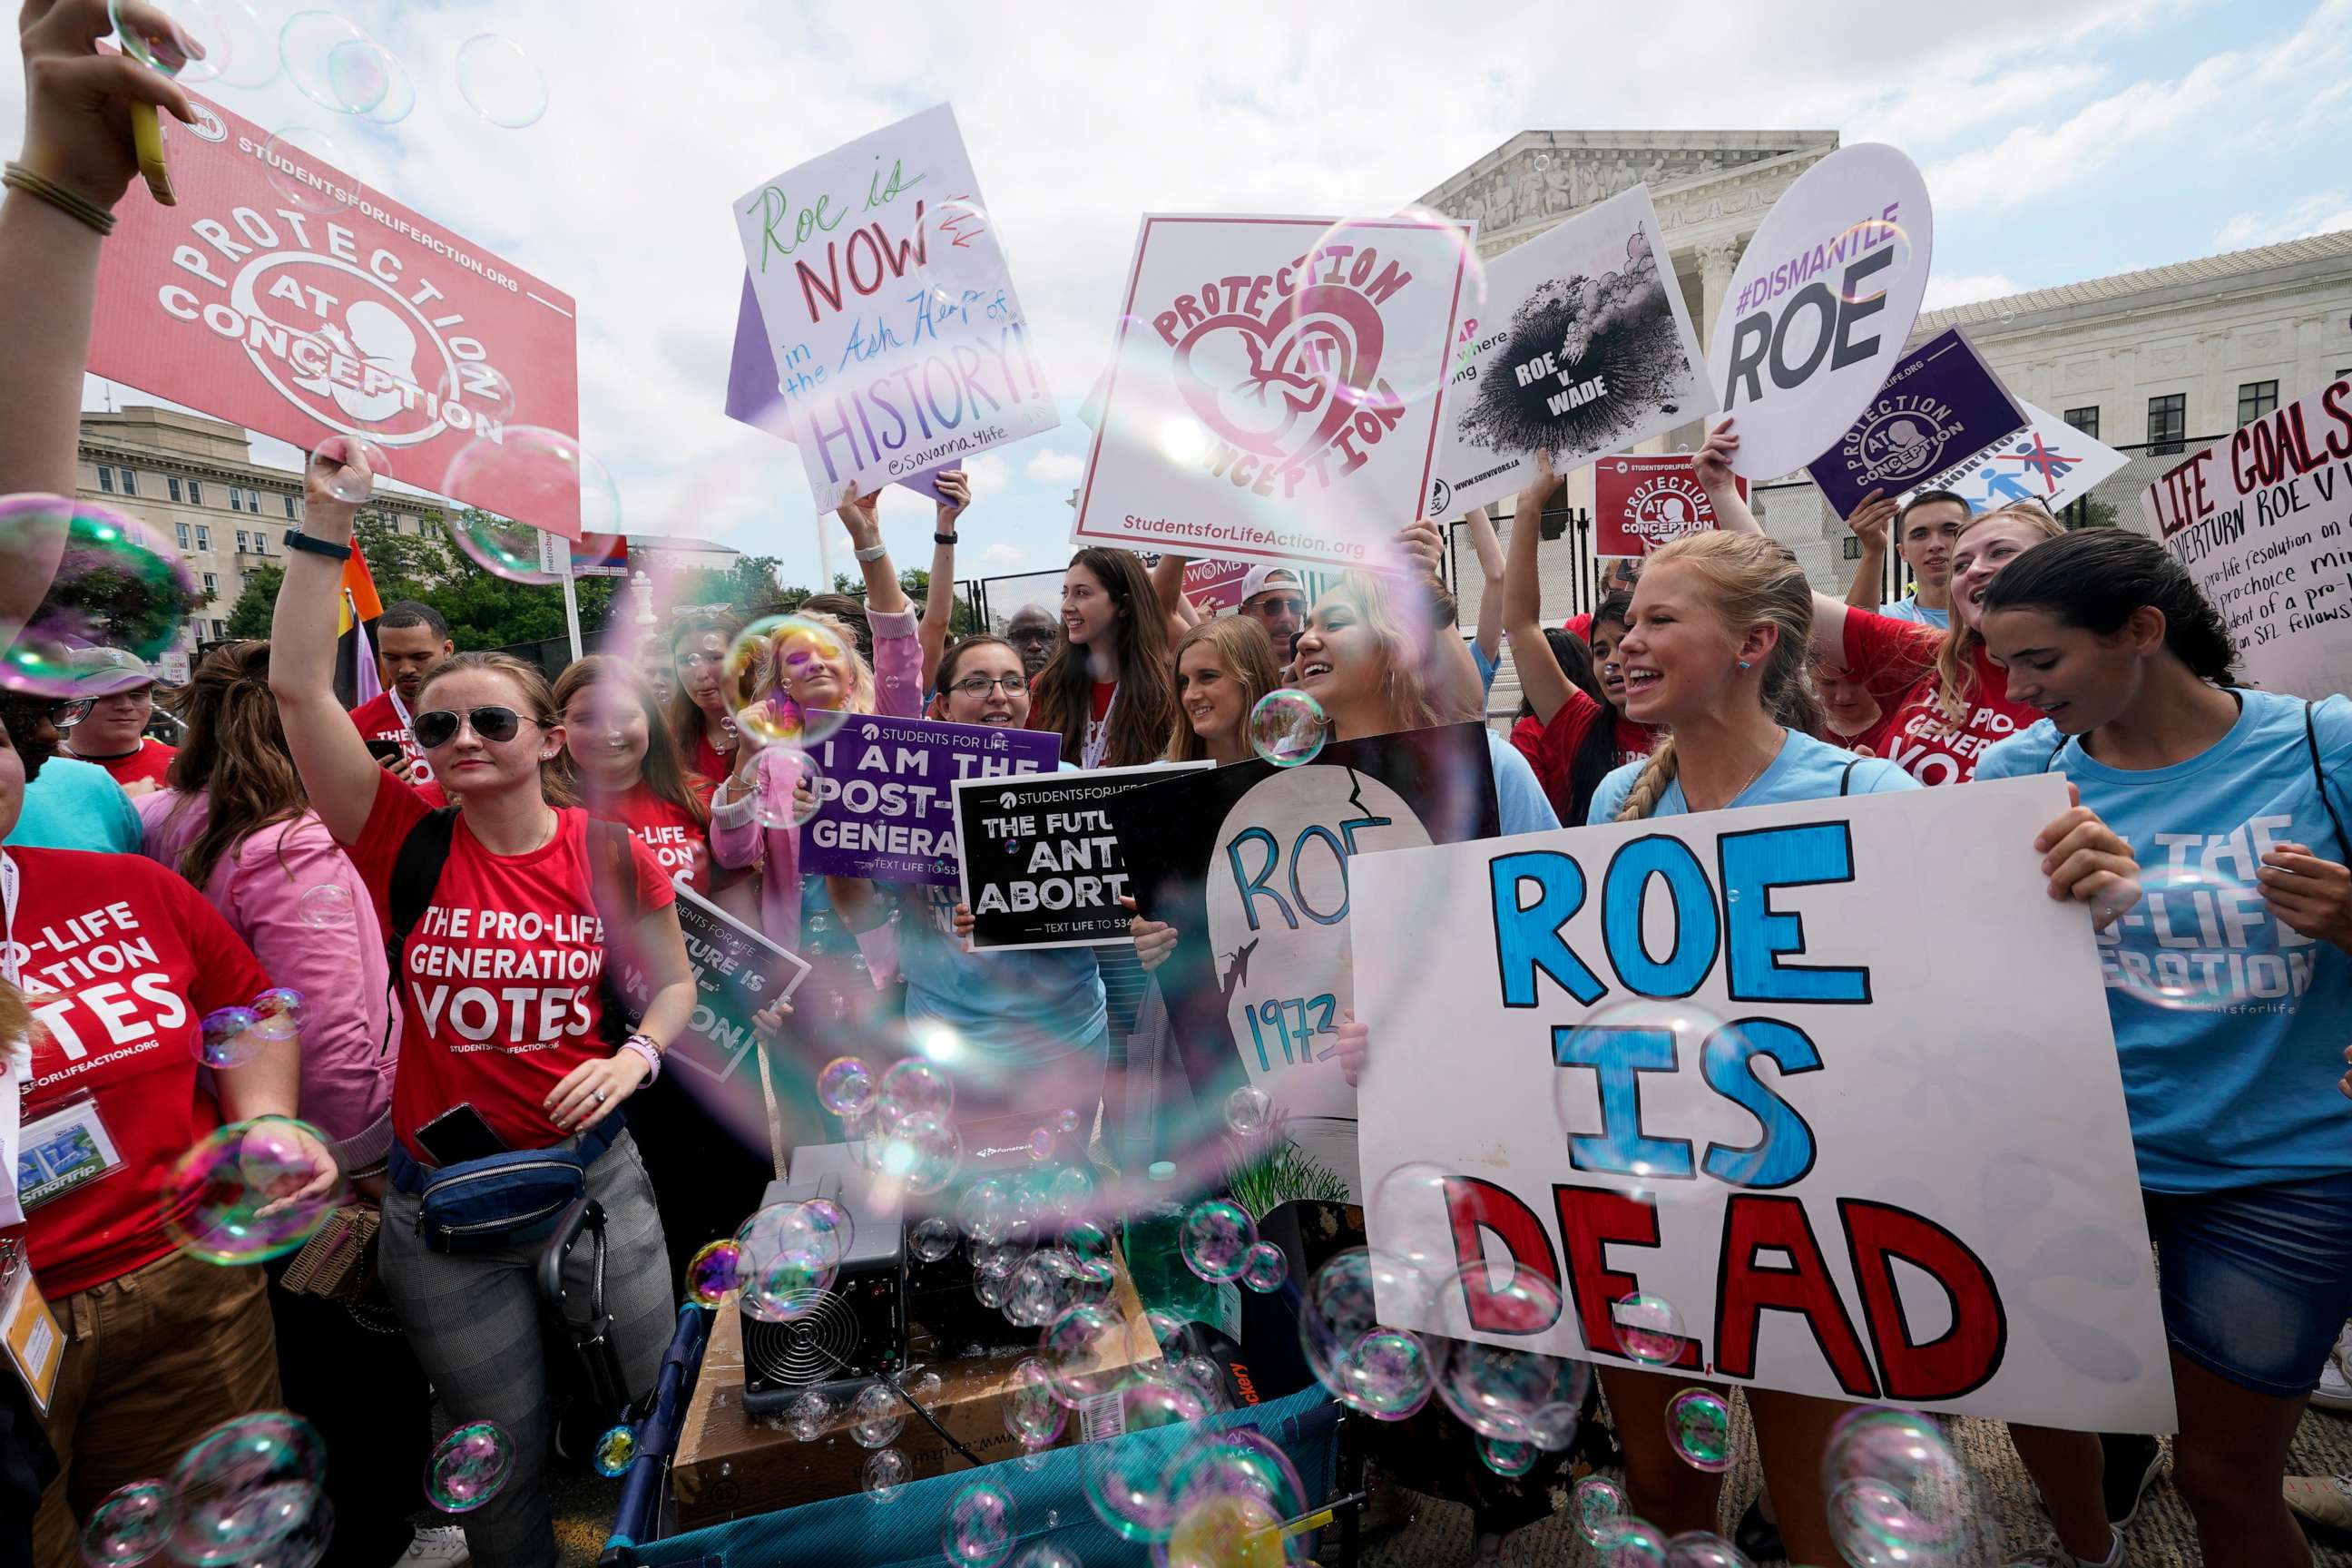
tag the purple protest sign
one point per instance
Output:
(1939, 405)
(755, 393)
(885, 798)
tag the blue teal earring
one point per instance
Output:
(1743, 664)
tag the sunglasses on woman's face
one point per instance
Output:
(439, 728)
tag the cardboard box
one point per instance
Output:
(731, 1465)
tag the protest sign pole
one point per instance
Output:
(560, 552)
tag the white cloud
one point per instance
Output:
(1052, 468)
(1944, 291)
(1003, 554)
(2322, 214)
(990, 474)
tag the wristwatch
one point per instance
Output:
(297, 540)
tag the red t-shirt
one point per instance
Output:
(498, 982)
(1896, 660)
(1550, 749)
(1868, 742)
(377, 719)
(678, 842)
(122, 958)
(151, 761)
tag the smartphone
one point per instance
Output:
(385, 753)
(459, 1134)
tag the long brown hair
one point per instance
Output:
(1753, 580)
(685, 718)
(537, 705)
(1246, 653)
(1955, 661)
(1402, 628)
(233, 751)
(664, 770)
(1146, 704)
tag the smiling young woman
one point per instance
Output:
(1108, 690)
(1222, 668)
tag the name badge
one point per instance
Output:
(28, 1330)
(64, 1148)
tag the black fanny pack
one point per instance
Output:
(501, 1200)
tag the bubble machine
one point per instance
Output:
(857, 1331)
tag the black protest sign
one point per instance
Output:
(1040, 864)
(737, 972)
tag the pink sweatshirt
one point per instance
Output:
(736, 837)
(335, 958)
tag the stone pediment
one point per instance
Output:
(1538, 175)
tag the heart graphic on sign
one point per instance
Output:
(1259, 383)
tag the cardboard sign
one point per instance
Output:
(1273, 391)
(1924, 1198)
(885, 801)
(890, 315)
(2049, 461)
(737, 971)
(1037, 862)
(1644, 499)
(1821, 305)
(1583, 347)
(1251, 864)
(2261, 519)
(1939, 403)
(250, 302)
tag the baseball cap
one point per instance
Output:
(102, 671)
(1257, 582)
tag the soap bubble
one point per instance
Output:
(214, 50)
(912, 1085)
(1380, 1371)
(1867, 238)
(877, 1417)
(932, 1239)
(713, 1271)
(614, 1452)
(845, 1086)
(117, 583)
(980, 1527)
(245, 1486)
(350, 453)
(334, 63)
(919, 1152)
(307, 167)
(1353, 255)
(1205, 1378)
(1065, 1120)
(481, 388)
(1899, 1494)
(807, 1416)
(1506, 1459)
(786, 1261)
(232, 1199)
(1500, 1391)
(1248, 1109)
(540, 473)
(1416, 1218)
(230, 1038)
(1084, 1352)
(1032, 1413)
(1666, 1029)
(1698, 1423)
(1287, 726)
(886, 1473)
(1126, 1478)
(1041, 1144)
(1264, 1267)
(1649, 1329)
(326, 907)
(501, 547)
(2200, 939)
(1600, 1505)
(399, 99)
(789, 786)
(1228, 1496)
(1633, 1543)
(1048, 1554)
(277, 1013)
(762, 665)
(1704, 1549)
(500, 82)
(469, 1466)
(1040, 1289)
(130, 1525)
(1071, 1190)
(1214, 1237)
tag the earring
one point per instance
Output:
(1743, 664)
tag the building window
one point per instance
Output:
(2167, 421)
(183, 534)
(244, 540)
(204, 537)
(2256, 398)
(106, 479)
(289, 506)
(220, 630)
(260, 542)
(173, 481)
(211, 586)
(130, 483)
(2086, 420)
(196, 492)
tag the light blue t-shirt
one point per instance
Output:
(1486, 668)
(1806, 769)
(1519, 799)
(76, 805)
(2230, 1026)
(1909, 608)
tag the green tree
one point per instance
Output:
(484, 610)
(249, 616)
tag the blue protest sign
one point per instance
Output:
(886, 792)
(1939, 405)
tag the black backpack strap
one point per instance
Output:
(415, 873)
(2319, 776)
(612, 869)
(1845, 779)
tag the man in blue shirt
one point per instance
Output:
(67, 805)
(1925, 530)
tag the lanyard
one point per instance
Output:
(8, 931)
(399, 708)
(1097, 740)
(11, 1092)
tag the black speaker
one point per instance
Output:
(854, 1331)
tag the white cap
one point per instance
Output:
(1257, 581)
(102, 671)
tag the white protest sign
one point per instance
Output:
(2049, 461)
(2260, 518)
(1274, 388)
(1928, 1195)
(1583, 347)
(1820, 306)
(899, 340)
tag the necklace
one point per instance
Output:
(1744, 784)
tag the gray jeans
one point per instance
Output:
(476, 1324)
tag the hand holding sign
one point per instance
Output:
(2089, 862)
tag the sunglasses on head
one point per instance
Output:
(439, 727)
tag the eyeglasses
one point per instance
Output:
(982, 685)
(66, 712)
(684, 612)
(439, 728)
(1262, 606)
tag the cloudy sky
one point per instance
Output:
(2060, 138)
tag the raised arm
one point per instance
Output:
(336, 773)
(861, 515)
(1168, 587)
(1713, 468)
(1546, 685)
(1869, 524)
(1490, 598)
(938, 604)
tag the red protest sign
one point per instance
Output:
(1644, 499)
(282, 295)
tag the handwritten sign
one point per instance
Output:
(2049, 461)
(1251, 865)
(1939, 403)
(1727, 1061)
(2261, 519)
(886, 791)
(1037, 860)
(1821, 305)
(1584, 346)
(1273, 395)
(897, 341)
(1641, 500)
